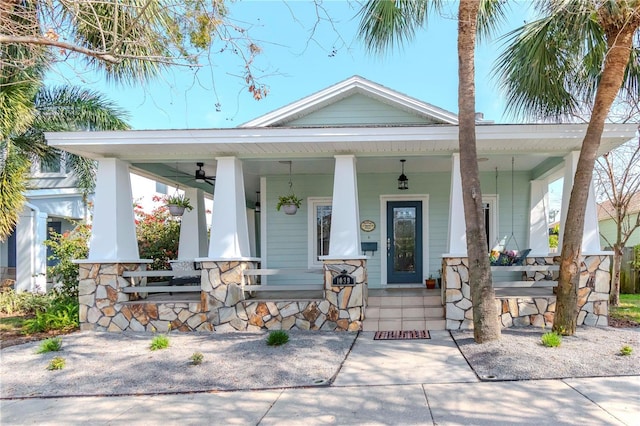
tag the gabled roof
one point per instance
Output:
(607, 211)
(344, 89)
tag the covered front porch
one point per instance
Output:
(354, 221)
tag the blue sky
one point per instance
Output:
(295, 66)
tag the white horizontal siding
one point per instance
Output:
(358, 110)
(287, 243)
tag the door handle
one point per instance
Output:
(388, 246)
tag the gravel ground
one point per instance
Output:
(121, 363)
(518, 355)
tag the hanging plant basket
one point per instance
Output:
(177, 204)
(289, 204)
(176, 210)
(289, 208)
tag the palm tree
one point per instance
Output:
(387, 23)
(579, 53)
(63, 108)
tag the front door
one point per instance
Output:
(404, 242)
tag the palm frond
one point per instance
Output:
(388, 24)
(491, 14)
(550, 64)
(71, 108)
(84, 169)
(13, 178)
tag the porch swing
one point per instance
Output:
(500, 254)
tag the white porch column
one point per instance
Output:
(591, 236)
(344, 242)
(113, 234)
(193, 228)
(538, 224)
(457, 241)
(229, 228)
(31, 253)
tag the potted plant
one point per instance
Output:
(430, 282)
(177, 203)
(289, 203)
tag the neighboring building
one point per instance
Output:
(608, 226)
(53, 203)
(341, 150)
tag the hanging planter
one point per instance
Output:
(289, 203)
(177, 204)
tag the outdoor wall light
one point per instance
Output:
(403, 180)
(257, 206)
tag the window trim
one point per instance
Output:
(312, 203)
(493, 201)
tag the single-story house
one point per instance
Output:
(378, 173)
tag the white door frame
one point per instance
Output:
(383, 231)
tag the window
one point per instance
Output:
(161, 188)
(54, 166)
(319, 229)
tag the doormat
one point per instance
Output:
(401, 335)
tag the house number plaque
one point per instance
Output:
(343, 279)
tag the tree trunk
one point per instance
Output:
(619, 40)
(614, 295)
(485, 313)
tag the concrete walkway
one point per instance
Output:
(381, 382)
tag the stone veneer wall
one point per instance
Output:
(593, 295)
(222, 305)
(103, 307)
(347, 304)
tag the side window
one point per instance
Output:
(319, 229)
(490, 208)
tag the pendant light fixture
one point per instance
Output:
(257, 205)
(403, 180)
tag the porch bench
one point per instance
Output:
(177, 284)
(526, 288)
(285, 287)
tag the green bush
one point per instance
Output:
(61, 314)
(196, 358)
(56, 363)
(160, 341)
(551, 339)
(22, 303)
(158, 235)
(66, 247)
(53, 344)
(626, 350)
(277, 338)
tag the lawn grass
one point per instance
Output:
(629, 308)
(12, 324)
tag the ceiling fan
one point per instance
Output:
(202, 177)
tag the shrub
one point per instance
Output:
(551, 339)
(626, 350)
(66, 247)
(196, 358)
(22, 303)
(61, 314)
(277, 338)
(53, 344)
(158, 235)
(159, 342)
(56, 363)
